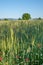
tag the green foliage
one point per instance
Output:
(19, 19)
(39, 18)
(21, 43)
(26, 16)
(5, 19)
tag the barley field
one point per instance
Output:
(21, 42)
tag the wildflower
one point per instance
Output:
(27, 59)
(0, 59)
(17, 56)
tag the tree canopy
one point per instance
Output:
(26, 16)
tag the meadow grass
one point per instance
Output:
(21, 42)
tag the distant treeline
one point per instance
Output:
(25, 16)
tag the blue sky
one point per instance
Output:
(15, 8)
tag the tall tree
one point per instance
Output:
(26, 16)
